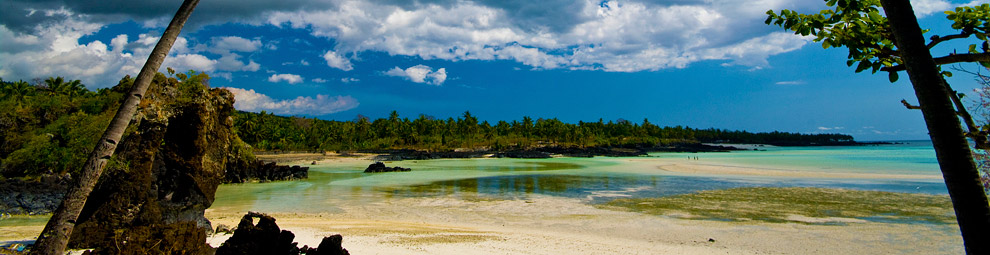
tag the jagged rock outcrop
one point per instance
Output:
(257, 170)
(153, 193)
(265, 238)
(379, 167)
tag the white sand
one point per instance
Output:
(553, 225)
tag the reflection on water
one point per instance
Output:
(603, 188)
(530, 166)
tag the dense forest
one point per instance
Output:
(49, 127)
(266, 131)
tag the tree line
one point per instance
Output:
(266, 131)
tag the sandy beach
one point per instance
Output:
(551, 225)
(555, 225)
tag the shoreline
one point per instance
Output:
(549, 225)
(545, 224)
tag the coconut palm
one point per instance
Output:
(55, 236)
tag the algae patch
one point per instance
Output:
(801, 205)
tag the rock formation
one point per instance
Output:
(152, 196)
(265, 238)
(379, 167)
(245, 171)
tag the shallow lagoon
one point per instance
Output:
(594, 180)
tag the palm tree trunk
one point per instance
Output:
(951, 148)
(54, 238)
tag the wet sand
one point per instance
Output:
(553, 225)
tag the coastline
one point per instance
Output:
(543, 224)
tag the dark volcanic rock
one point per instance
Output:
(152, 196)
(265, 238)
(241, 172)
(31, 197)
(379, 167)
(330, 245)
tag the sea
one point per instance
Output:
(593, 180)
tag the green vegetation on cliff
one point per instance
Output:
(51, 126)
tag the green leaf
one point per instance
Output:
(892, 76)
(947, 73)
(826, 44)
(972, 48)
(863, 65)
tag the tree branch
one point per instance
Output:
(952, 58)
(909, 106)
(939, 39)
(979, 137)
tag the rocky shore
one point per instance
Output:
(262, 171)
(19, 196)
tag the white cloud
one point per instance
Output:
(926, 7)
(790, 83)
(290, 78)
(420, 74)
(624, 36)
(225, 75)
(53, 49)
(319, 80)
(249, 100)
(224, 44)
(349, 80)
(337, 61)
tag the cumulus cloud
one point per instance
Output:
(224, 44)
(926, 7)
(337, 61)
(612, 35)
(349, 80)
(249, 100)
(319, 80)
(420, 74)
(625, 36)
(54, 49)
(14, 13)
(290, 78)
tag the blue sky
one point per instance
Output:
(697, 63)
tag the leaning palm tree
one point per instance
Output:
(54, 238)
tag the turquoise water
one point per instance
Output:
(594, 180)
(907, 157)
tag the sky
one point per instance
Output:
(696, 63)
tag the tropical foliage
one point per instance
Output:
(50, 126)
(266, 131)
